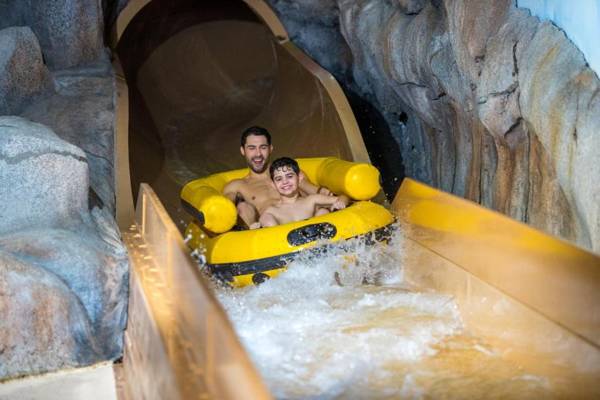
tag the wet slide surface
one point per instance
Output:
(390, 325)
(381, 335)
(193, 91)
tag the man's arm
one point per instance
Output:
(344, 199)
(231, 190)
(246, 211)
(306, 186)
(267, 219)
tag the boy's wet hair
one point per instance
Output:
(256, 131)
(283, 162)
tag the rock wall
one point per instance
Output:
(58, 73)
(579, 19)
(486, 101)
(69, 31)
(22, 72)
(63, 268)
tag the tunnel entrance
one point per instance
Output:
(166, 57)
(199, 73)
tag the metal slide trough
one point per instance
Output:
(534, 298)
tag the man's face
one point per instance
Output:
(256, 151)
(286, 181)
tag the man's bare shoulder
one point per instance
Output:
(234, 185)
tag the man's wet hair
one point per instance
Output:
(256, 131)
(284, 162)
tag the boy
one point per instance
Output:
(291, 207)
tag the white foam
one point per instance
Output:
(312, 338)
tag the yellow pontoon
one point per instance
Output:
(245, 257)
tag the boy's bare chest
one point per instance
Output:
(293, 212)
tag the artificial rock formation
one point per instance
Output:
(43, 179)
(50, 242)
(43, 325)
(77, 102)
(81, 96)
(486, 101)
(22, 71)
(69, 31)
(63, 268)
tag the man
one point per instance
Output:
(255, 192)
(291, 207)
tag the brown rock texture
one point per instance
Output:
(501, 108)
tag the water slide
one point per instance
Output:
(192, 76)
(202, 75)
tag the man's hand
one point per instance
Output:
(255, 225)
(306, 186)
(338, 205)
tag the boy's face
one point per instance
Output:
(286, 181)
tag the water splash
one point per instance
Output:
(336, 325)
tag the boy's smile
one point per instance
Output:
(286, 181)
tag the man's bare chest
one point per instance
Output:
(258, 192)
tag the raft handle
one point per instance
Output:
(311, 233)
(259, 278)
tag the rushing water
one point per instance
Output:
(346, 325)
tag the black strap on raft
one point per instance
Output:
(311, 233)
(190, 209)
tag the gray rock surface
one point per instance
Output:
(63, 268)
(43, 179)
(314, 26)
(43, 326)
(46, 229)
(22, 70)
(69, 31)
(411, 6)
(92, 270)
(11, 15)
(500, 108)
(81, 111)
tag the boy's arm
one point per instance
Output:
(322, 200)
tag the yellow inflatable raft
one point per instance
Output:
(249, 257)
